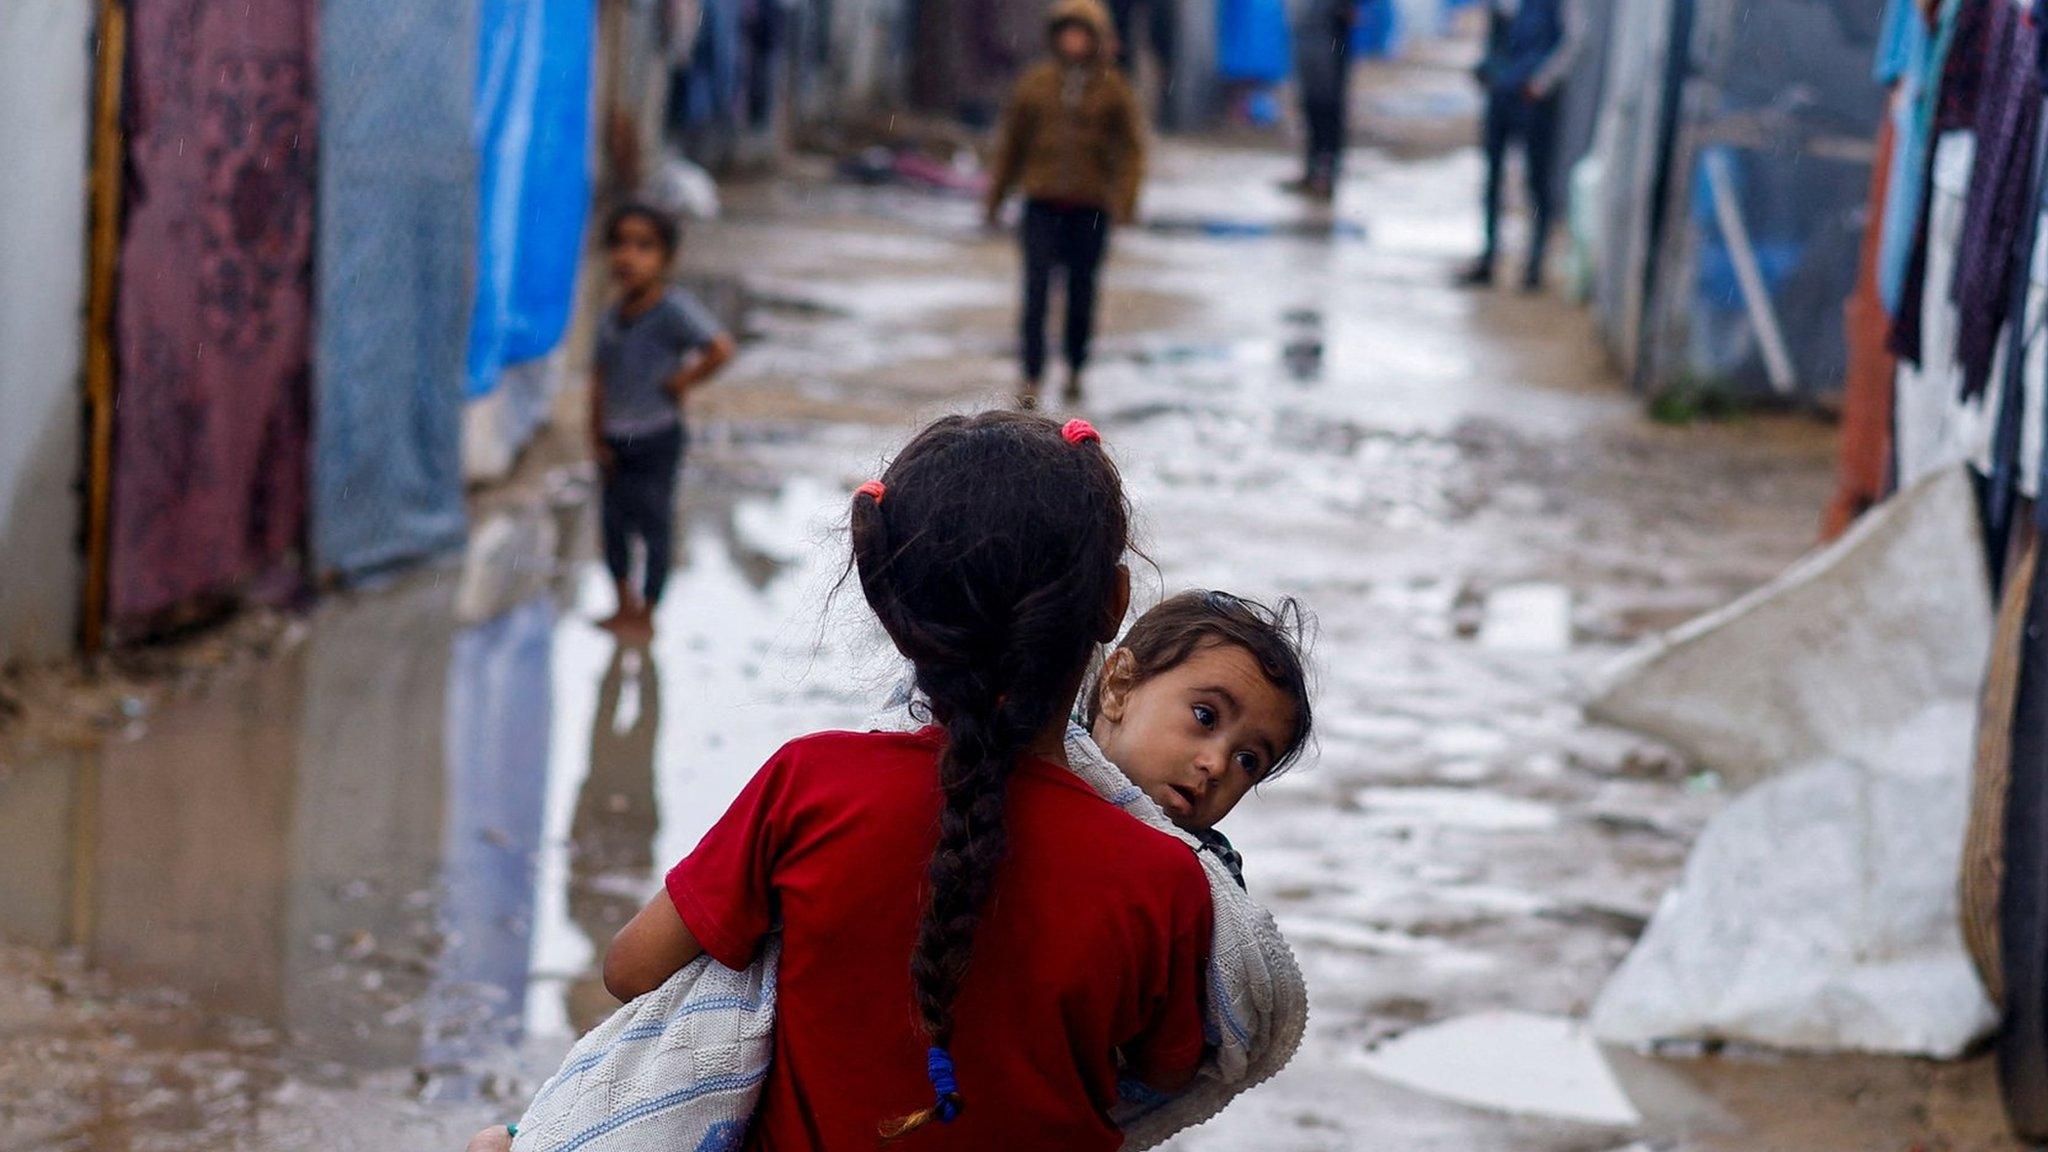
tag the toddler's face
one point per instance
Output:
(636, 254)
(1195, 737)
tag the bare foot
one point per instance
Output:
(496, 1138)
(635, 627)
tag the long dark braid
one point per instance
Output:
(990, 552)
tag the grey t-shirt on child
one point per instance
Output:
(637, 357)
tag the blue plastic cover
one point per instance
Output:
(532, 125)
(1252, 42)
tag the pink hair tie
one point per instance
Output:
(1081, 432)
(873, 488)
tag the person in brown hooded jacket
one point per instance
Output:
(1072, 138)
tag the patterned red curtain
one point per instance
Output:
(213, 322)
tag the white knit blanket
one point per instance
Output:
(681, 1067)
(1258, 1002)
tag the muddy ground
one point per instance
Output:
(344, 886)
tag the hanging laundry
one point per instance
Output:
(1906, 58)
(2008, 114)
(1948, 105)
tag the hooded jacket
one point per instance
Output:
(1072, 133)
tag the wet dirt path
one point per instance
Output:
(351, 893)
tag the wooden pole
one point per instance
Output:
(107, 166)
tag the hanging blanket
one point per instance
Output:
(681, 1068)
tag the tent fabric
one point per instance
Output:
(1252, 42)
(398, 238)
(1799, 190)
(212, 327)
(45, 85)
(532, 127)
(1628, 141)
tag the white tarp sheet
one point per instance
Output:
(45, 111)
(1819, 910)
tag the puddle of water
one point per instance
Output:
(404, 842)
(1465, 808)
(1240, 228)
(1508, 1062)
(1528, 618)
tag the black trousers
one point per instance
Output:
(639, 502)
(1070, 241)
(1324, 106)
(1512, 119)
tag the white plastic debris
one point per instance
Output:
(1508, 1062)
(682, 188)
(1818, 910)
(1528, 618)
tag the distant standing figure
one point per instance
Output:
(1323, 67)
(1073, 138)
(1531, 46)
(654, 346)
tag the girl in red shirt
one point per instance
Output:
(975, 944)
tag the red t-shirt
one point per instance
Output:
(1094, 939)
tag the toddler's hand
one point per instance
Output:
(496, 1138)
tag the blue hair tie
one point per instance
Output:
(938, 1064)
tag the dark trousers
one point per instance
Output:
(1512, 119)
(640, 503)
(1160, 29)
(1324, 106)
(1072, 241)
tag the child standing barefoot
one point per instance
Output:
(654, 346)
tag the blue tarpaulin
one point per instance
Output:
(1252, 41)
(396, 242)
(1377, 32)
(532, 130)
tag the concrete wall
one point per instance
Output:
(45, 110)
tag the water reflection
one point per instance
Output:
(403, 841)
(613, 829)
(338, 841)
(500, 709)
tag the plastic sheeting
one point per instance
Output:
(212, 329)
(1252, 43)
(1736, 146)
(1781, 93)
(497, 427)
(45, 69)
(398, 237)
(1630, 143)
(532, 127)
(1845, 692)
